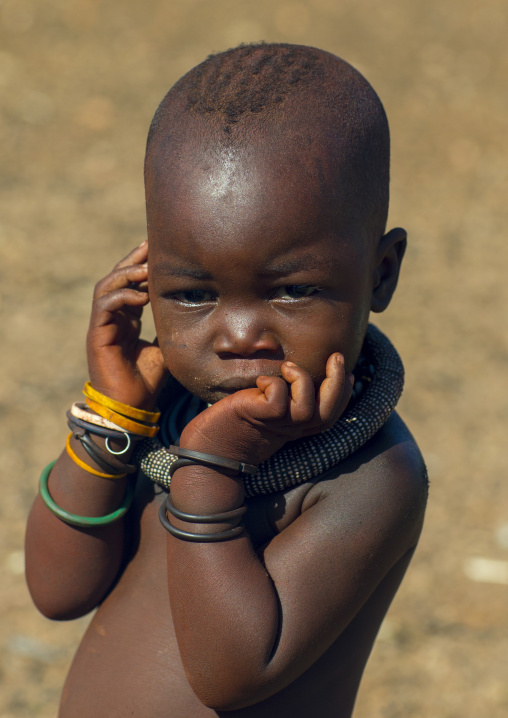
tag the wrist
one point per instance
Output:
(202, 489)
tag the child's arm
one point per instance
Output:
(70, 569)
(248, 627)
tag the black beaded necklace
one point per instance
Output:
(379, 379)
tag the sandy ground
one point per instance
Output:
(79, 81)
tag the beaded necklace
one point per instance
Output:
(379, 379)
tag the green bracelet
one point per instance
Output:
(74, 519)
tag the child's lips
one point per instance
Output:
(233, 384)
(229, 386)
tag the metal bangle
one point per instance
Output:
(179, 463)
(100, 457)
(123, 451)
(207, 518)
(200, 457)
(197, 538)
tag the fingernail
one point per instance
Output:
(339, 359)
(289, 363)
(143, 242)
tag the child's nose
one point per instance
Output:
(245, 334)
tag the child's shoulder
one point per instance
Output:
(369, 509)
(383, 487)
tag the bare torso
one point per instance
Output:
(129, 664)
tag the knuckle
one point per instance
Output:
(99, 287)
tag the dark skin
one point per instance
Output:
(261, 288)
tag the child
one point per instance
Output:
(297, 495)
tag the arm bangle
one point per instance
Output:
(198, 457)
(74, 519)
(93, 428)
(207, 518)
(131, 412)
(106, 461)
(197, 538)
(85, 466)
(123, 422)
(81, 410)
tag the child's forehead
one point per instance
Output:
(260, 203)
(268, 166)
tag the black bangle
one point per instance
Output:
(107, 463)
(198, 457)
(178, 464)
(207, 518)
(197, 538)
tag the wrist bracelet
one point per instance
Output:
(75, 519)
(81, 410)
(106, 461)
(178, 464)
(131, 412)
(197, 538)
(133, 427)
(99, 430)
(85, 466)
(206, 518)
(198, 457)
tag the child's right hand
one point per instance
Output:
(120, 364)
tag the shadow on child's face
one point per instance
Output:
(251, 263)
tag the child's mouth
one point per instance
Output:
(230, 386)
(238, 383)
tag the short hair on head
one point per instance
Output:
(249, 87)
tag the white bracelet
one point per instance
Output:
(81, 411)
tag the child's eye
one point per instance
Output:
(194, 296)
(295, 291)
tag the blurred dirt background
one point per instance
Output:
(79, 82)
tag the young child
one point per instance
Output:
(297, 493)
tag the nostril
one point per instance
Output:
(262, 346)
(259, 355)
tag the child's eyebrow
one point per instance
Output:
(171, 270)
(308, 262)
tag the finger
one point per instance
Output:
(302, 392)
(139, 286)
(122, 299)
(273, 401)
(335, 391)
(138, 255)
(119, 278)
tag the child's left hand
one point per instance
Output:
(252, 424)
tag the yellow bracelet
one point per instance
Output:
(131, 412)
(84, 466)
(130, 426)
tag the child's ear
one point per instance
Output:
(390, 253)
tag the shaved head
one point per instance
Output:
(299, 101)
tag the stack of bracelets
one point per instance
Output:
(111, 420)
(232, 519)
